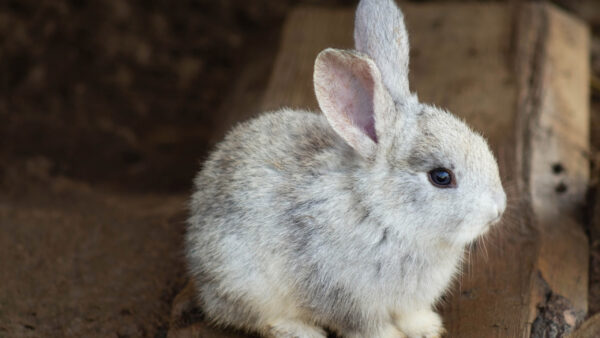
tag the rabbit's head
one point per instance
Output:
(426, 171)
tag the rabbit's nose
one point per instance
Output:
(496, 215)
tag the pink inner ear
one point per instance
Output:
(357, 97)
(370, 129)
(346, 85)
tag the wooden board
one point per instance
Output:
(520, 78)
(589, 329)
(554, 110)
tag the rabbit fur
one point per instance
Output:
(304, 221)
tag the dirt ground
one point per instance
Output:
(106, 109)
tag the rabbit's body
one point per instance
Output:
(355, 219)
(306, 239)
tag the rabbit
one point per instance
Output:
(354, 220)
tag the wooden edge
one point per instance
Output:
(295, 63)
(553, 109)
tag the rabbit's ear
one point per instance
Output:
(380, 33)
(351, 95)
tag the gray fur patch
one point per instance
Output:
(383, 237)
(334, 302)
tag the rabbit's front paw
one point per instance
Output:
(294, 329)
(420, 324)
(387, 330)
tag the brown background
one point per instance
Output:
(106, 110)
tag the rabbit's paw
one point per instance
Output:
(386, 331)
(420, 324)
(294, 329)
(390, 331)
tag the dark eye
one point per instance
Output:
(442, 178)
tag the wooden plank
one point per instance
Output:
(520, 78)
(557, 121)
(306, 32)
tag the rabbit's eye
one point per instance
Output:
(442, 178)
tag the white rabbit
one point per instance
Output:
(353, 220)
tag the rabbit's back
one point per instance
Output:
(260, 163)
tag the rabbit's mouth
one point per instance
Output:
(495, 220)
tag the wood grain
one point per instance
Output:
(519, 76)
(558, 176)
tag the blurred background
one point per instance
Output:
(107, 108)
(128, 93)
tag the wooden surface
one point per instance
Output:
(519, 76)
(557, 137)
(589, 329)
